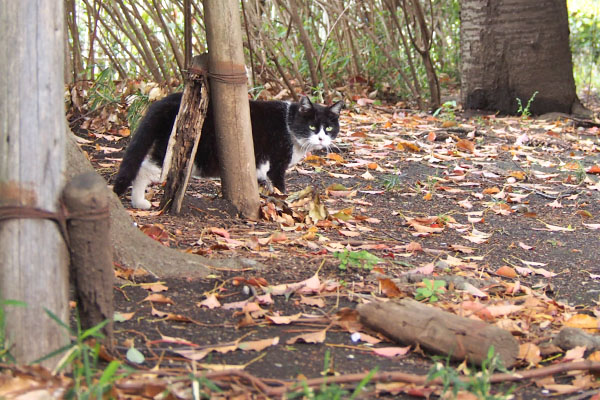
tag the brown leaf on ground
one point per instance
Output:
(313, 337)
(391, 351)
(312, 301)
(258, 345)
(210, 302)
(158, 298)
(283, 319)
(389, 288)
(466, 145)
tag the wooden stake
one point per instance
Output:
(179, 160)
(91, 255)
(229, 94)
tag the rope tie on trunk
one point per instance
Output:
(236, 78)
(61, 217)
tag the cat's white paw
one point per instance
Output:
(141, 204)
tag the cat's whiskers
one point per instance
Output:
(306, 147)
(334, 146)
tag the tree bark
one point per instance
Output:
(34, 266)
(179, 159)
(511, 49)
(91, 256)
(231, 109)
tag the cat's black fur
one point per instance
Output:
(282, 133)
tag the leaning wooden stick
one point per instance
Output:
(179, 160)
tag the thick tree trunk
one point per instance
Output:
(229, 96)
(511, 49)
(33, 255)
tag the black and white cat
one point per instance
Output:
(282, 132)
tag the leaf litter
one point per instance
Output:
(487, 200)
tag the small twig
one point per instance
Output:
(422, 379)
(329, 33)
(584, 395)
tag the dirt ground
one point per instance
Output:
(511, 205)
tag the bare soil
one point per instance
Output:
(449, 196)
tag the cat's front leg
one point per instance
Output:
(148, 173)
(278, 179)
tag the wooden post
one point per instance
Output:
(179, 160)
(91, 255)
(411, 322)
(33, 255)
(229, 95)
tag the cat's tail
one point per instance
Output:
(157, 122)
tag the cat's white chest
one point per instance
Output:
(297, 155)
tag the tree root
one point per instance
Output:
(133, 249)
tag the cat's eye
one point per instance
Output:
(329, 129)
(312, 127)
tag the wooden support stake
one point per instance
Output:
(231, 109)
(91, 254)
(188, 127)
(411, 322)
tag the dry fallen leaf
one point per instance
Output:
(158, 298)
(576, 353)
(210, 302)
(313, 337)
(389, 288)
(169, 316)
(506, 272)
(583, 321)
(466, 145)
(283, 320)
(312, 301)
(530, 353)
(391, 352)
(259, 345)
(594, 169)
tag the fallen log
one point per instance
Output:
(410, 322)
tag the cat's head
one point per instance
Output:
(315, 126)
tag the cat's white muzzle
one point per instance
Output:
(320, 141)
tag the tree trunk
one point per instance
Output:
(34, 266)
(229, 96)
(511, 49)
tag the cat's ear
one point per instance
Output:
(305, 104)
(337, 107)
